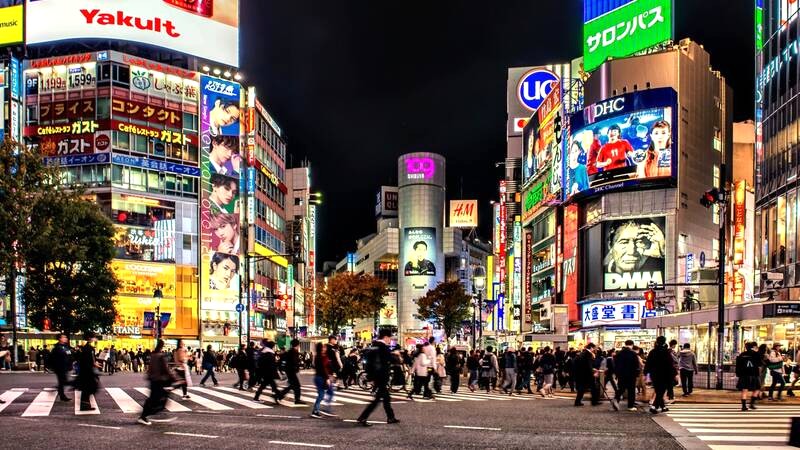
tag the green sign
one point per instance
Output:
(759, 16)
(629, 29)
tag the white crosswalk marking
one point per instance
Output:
(248, 403)
(41, 405)
(92, 401)
(172, 405)
(208, 403)
(9, 396)
(727, 427)
(124, 401)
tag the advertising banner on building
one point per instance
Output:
(569, 261)
(142, 278)
(622, 142)
(619, 28)
(739, 221)
(221, 165)
(629, 312)
(463, 213)
(159, 84)
(420, 251)
(209, 29)
(543, 139)
(12, 18)
(527, 312)
(388, 314)
(634, 252)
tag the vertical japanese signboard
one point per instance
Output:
(221, 165)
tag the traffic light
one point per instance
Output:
(649, 299)
(712, 197)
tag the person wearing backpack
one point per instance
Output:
(209, 363)
(489, 369)
(379, 362)
(775, 366)
(748, 370)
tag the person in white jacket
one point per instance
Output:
(430, 351)
(419, 369)
(775, 366)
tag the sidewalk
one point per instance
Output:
(726, 396)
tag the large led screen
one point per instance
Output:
(622, 142)
(420, 251)
(633, 254)
(221, 166)
(205, 28)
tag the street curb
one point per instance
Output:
(684, 438)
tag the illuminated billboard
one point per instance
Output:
(619, 28)
(420, 251)
(633, 254)
(629, 312)
(622, 142)
(11, 22)
(543, 138)
(463, 213)
(206, 28)
(220, 172)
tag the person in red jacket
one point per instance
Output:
(614, 154)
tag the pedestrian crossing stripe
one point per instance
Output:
(730, 427)
(43, 402)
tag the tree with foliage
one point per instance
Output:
(347, 297)
(68, 276)
(446, 305)
(24, 180)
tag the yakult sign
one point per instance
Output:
(208, 28)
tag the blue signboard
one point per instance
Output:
(251, 180)
(16, 85)
(163, 166)
(77, 160)
(535, 86)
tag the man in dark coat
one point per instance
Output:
(584, 375)
(383, 363)
(292, 360)
(661, 368)
(267, 369)
(87, 377)
(60, 361)
(626, 367)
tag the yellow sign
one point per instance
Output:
(142, 278)
(264, 251)
(11, 19)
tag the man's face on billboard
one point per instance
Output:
(613, 135)
(222, 116)
(627, 248)
(420, 252)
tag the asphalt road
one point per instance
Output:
(229, 420)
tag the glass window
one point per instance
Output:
(170, 182)
(121, 140)
(154, 182)
(715, 214)
(781, 224)
(31, 114)
(791, 227)
(103, 108)
(716, 176)
(138, 182)
(139, 143)
(187, 242)
(190, 153)
(120, 176)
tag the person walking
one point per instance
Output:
(292, 367)
(88, 368)
(430, 354)
(267, 369)
(419, 369)
(333, 353)
(160, 377)
(453, 365)
(473, 365)
(378, 364)
(489, 369)
(547, 365)
(324, 381)
(661, 369)
(627, 368)
(673, 352)
(240, 362)
(209, 364)
(610, 373)
(687, 364)
(510, 357)
(585, 374)
(775, 367)
(748, 370)
(182, 373)
(60, 361)
(111, 360)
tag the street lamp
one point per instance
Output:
(479, 284)
(158, 295)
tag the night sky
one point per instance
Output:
(356, 83)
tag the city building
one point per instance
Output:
(643, 225)
(187, 163)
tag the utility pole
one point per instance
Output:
(723, 202)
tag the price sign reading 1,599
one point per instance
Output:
(81, 80)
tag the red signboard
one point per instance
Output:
(148, 113)
(62, 145)
(67, 109)
(739, 217)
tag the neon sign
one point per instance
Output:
(420, 168)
